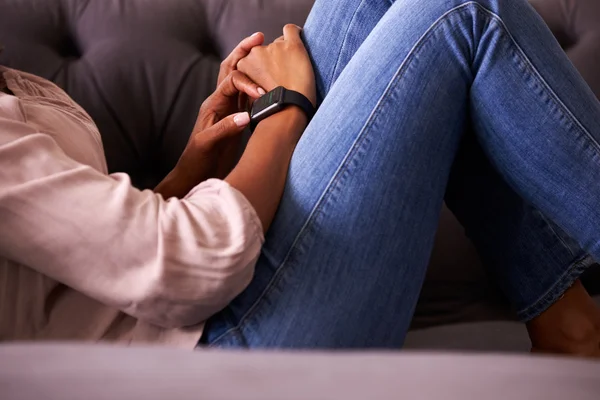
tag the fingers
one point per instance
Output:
(230, 126)
(226, 99)
(242, 50)
(291, 33)
(237, 82)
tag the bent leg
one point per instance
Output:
(533, 260)
(334, 31)
(344, 261)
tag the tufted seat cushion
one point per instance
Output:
(142, 68)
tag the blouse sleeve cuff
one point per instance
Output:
(222, 188)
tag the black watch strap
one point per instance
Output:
(276, 100)
(291, 97)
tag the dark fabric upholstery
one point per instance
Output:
(142, 68)
(457, 288)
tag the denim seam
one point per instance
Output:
(342, 167)
(564, 282)
(556, 235)
(578, 267)
(566, 111)
(343, 46)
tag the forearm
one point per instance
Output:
(171, 263)
(262, 171)
(172, 186)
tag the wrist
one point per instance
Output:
(288, 124)
(261, 173)
(174, 185)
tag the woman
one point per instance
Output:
(405, 89)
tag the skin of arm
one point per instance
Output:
(261, 173)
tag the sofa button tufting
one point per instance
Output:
(69, 48)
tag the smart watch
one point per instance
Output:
(275, 101)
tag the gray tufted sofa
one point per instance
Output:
(141, 68)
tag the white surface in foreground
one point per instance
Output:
(103, 372)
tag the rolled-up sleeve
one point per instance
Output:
(172, 263)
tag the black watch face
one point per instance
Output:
(268, 103)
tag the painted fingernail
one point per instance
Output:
(242, 119)
(255, 34)
(261, 91)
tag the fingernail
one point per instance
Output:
(255, 34)
(261, 91)
(242, 119)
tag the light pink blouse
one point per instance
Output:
(86, 256)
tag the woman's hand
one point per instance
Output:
(284, 62)
(212, 149)
(261, 173)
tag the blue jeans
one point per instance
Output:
(472, 101)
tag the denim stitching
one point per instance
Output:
(580, 265)
(556, 235)
(343, 165)
(343, 46)
(332, 185)
(566, 279)
(561, 105)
